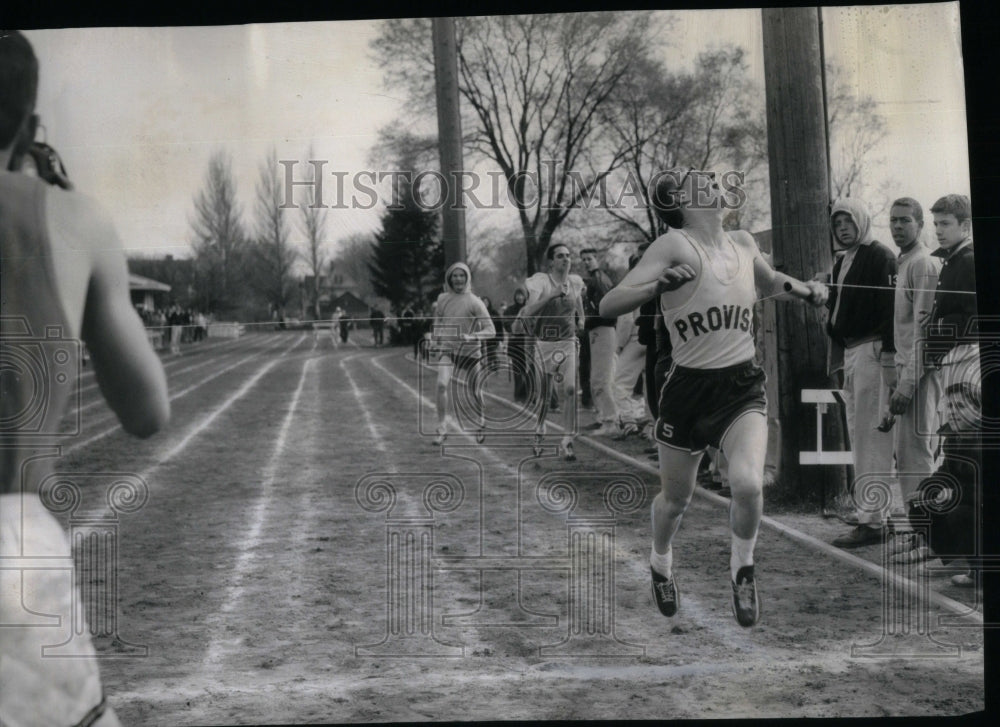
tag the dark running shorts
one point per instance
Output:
(466, 363)
(461, 361)
(697, 406)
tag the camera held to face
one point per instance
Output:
(40, 160)
(44, 162)
(38, 375)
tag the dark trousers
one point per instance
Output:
(517, 351)
(491, 353)
(952, 530)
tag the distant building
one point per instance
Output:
(177, 274)
(146, 292)
(354, 307)
(335, 289)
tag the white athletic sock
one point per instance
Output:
(742, 553)
(662, 563)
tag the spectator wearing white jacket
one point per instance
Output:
(629, 365)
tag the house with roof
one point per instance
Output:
(336, 289)
(146, 292)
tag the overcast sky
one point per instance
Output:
(137, 112)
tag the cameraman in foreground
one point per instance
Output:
(64, 278)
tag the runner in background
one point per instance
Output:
(461, 323)
(554, 314)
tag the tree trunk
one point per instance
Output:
(797, 148)
(534, 254)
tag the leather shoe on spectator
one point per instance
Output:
(859, 537)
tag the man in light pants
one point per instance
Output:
(601, 333)
(630, 361)
(861, 329)
(917, 389)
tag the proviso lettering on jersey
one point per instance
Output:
(730, 317)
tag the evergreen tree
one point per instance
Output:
(407, 259)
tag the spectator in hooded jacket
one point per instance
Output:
(860, 325)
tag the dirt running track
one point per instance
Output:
(306, 555)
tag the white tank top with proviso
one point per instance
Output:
(714, 328)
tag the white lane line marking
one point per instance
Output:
(224, 357)
(176, 395)
(164, 457)
(251, 542)
(957, 608)
(194, 367)
(365, 411)
(700, 613)
(166, 364)
(428, 402)
(207, 421)
(402, 496)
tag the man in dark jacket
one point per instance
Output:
(860, 326)
(948, 503)
(518, 345)
(952, 345)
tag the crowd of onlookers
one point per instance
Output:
(902, 348)
(174, 325)
(902, 325)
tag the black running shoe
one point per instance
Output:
(746, 602)
(665, 593)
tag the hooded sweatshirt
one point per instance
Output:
(458, 314)
(515, 325)
(864, 313)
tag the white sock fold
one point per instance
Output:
(742, 553)
(662, 563)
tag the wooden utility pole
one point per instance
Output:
(449, 137)
(799, 174)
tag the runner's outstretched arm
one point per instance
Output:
(654, 274)
(779, 286)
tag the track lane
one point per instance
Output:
(315, 588)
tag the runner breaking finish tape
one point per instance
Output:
(706, 283)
